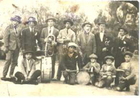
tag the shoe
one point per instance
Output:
(109, 88)
(54, 79)
(4, 79)
(12, 79)
(65, 82)
(118, 89)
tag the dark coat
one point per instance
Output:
(70, 62)
(118, 51)
(29, 39)
(106, 43)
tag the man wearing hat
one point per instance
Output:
(12, 46)
(68, 63)
(30, 36)
(93, 68)
(50, 30)
(119, 47)
(65, 36)
(103, 43)
(27, 73)
(87, 43)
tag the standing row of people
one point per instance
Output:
(27, 39)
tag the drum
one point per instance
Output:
(46, 69)
(83, 77)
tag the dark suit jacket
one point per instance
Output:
(87, 46)
(100, 45)
(29, 39)
(11, 38)
(44, 34)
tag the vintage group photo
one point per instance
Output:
(69, 48)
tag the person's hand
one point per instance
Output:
(54, 43)
(45, 40)
(120, 70)
(22, 51)
(104, 76)
(26, 77)
(67, 39)
(104, 49)
(112, 84)
(67, 70)
(80, 53)
(123, 78)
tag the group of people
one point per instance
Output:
(94, 53)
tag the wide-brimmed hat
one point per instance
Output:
(50, 18)
(25, 52)
(86, 24)
(128, 53)
(32, 19)
(72, 44)
(16, 18)
(101, 22)
(109, 57)
(68, 20)
(122, 27)
(93, 56)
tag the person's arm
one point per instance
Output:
(94, 45)
(79, 61)
(62, 63)
(102, 71)
(6, 39)
(42, 36)
(132, 74)
(73, 37)
(59, 37)
(23, 38)
(97, 68)
(22, 68)
(33, 68)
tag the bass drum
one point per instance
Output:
(83, 77)
(46, 69)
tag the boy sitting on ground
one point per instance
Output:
(28, 72)
(93, 68)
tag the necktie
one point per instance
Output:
(15, 30)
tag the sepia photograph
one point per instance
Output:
(69, 48)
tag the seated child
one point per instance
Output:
(107, 73)
(93, 68)
(28, 72)
(127, 75)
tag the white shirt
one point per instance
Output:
(31, 29)
(50, 28)
(101, 36)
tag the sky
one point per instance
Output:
(91, 8)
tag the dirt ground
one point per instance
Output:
(57, 88)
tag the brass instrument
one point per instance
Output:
(49, 46)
